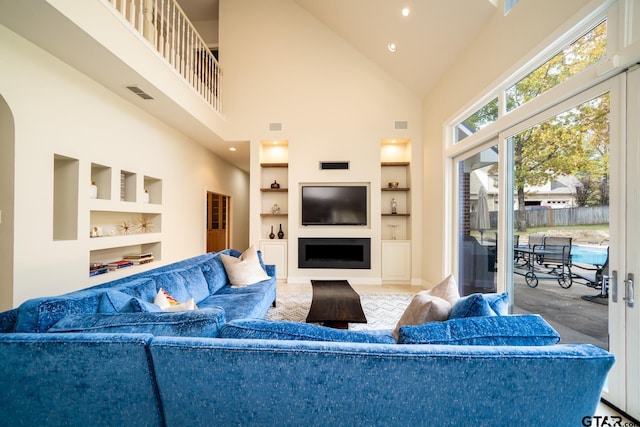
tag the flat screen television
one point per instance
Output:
(334, 205)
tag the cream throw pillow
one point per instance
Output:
(429, 306)
(244, 270)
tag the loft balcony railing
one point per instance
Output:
(163, 24)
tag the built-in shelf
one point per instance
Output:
(395, 189)
(394, 164)
(398, 214)
(273, 215)
(274, 190)
(65, 197)
(274, 165)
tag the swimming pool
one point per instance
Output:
(588, 254)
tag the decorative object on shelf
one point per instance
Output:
(394, 206)
(280, 233)
(95, 231)
(393, 184)
(393, 231)
(125, 227)
(271, 235)
(145, 225)
(275, 209)
(275, 184)
(145, 196)
(93, 190)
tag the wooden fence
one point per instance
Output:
(558, 217)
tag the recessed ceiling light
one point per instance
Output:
(392, 47)
(405, 11)
(232, 149)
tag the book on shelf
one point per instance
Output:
(119, 264)
(97, 269)
(139, 256)
(139, 261)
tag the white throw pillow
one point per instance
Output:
(432, 305)
(447, 289)
(244, 270)
(168, 303)
(423, 308)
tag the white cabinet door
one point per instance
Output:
(396, 261)
(275, 252)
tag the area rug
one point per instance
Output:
(382, 310)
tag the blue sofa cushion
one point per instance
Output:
(477, 305)
(143, 288)
(515, 330)
(200, 323)
(214, 273)
(174, 284)
(195, 282)
(293, 331)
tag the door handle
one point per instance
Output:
(628, 285)
(613, 285)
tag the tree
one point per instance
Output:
(573, 142)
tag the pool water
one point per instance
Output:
(588, 255)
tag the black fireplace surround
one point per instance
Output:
(340, 253)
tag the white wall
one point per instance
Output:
(58, 110)
(505, 41)
(282, 65)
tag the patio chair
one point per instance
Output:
(556, 256)
(593, 276)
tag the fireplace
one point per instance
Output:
(341, 253)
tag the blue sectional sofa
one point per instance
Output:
(202, 277)
(225, 365)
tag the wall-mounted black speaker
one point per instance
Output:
(334, 165)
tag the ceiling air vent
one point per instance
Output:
(275, 127)
(142, 94)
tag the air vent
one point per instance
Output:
(334, 165)
(275, 127)
(401, 125)
(142, 94)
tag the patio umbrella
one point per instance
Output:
(482, 215)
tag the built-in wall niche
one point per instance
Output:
(128, 186)
(103, 257)
(153, 188)
(101, 177)
(65, 197)
(115, 223)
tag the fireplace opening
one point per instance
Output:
(341, 253)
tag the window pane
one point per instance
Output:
(561, 221)
(472, 124)
(584, 52)
(477, 202)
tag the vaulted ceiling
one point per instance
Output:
(427, 40)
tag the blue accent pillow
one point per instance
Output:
(136, 305)
(199, 323)
(113, 301)
(282, 330)
(514, 330)
(479, 305)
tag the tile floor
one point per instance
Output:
(283, 288)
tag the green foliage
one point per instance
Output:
(573, 143)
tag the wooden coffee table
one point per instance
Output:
(335, 304)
